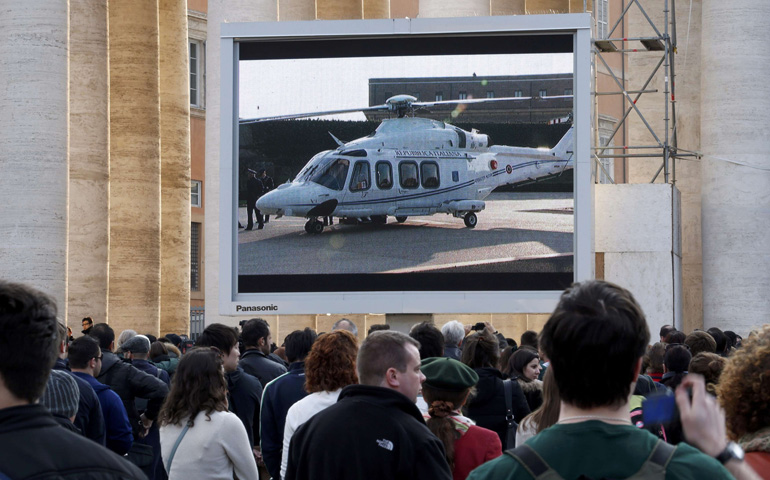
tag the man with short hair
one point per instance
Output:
(377, 420)
(267, 185)
(595, 340)
(256, 359)
(345, 324)
(254, 190)
(87, 323)
(665, 330)
(89, 419)
(129, 382)
(33, 445)
(430, 338)
(722, 348)
(453, 333)
(529, 339)
(244, 392)
(280, 394)
(86, 361)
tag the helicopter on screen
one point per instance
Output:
(409, 166)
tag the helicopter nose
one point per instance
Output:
(270, 203)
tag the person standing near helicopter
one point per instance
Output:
(267, 185)
(254, 190)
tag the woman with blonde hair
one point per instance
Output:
(199, 437)
(330, 366)
(447, 387)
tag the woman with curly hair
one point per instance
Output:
(330, 366)
(744, 392)
(488, 408)
(524, 367)
(199, 438)
(448, 385)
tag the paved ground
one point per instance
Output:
(517, 232)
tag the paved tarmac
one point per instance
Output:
(517, 232)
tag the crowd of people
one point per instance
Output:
(589, 396)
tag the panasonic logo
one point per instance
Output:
(256, 308)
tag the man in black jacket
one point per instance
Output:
(254, 190)
(89, 419)
(256, 360)
(129, 383)
(377, 420)
(244, 392)
(32, 443)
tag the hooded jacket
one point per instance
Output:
(488, 407)
(244, 394)
(384, 429)
(35, 446)
(119, 433)
(89, 419)
(129, 383)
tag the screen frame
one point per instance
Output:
(233, 303)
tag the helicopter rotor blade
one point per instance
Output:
(485, 100)
(245, 121)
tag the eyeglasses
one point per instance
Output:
(99, 357)
(670, 345)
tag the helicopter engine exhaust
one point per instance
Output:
(324, 209)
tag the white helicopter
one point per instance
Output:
(409, 166)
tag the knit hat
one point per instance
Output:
(61, 394)
(448, 374)
(137, 344)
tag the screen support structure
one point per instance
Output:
(232, 302)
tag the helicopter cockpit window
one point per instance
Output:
(332, 174)
(407, 171)
(429, 172)
(384, 173)
(361, 178)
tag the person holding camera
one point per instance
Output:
(595, 340)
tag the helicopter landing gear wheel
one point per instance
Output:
(470, 220)
(401, 218)
(314, 226)
(379, 219)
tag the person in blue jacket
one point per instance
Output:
(85, 359)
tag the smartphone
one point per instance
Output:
(660, 409)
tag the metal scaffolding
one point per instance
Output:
(665, 146)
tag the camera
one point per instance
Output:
(479, 326)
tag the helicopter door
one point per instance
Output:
(359, 189)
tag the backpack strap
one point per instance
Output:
(533, 463)
(655, 466)
(176, 445)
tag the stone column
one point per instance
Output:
(507, 7)
(454, 8)
(134, 292)
(376, 8)
(33, 145)
(174, 168)
(736, 169)
(89, 219)
(535, 7)
(296, 10)
(339, 9)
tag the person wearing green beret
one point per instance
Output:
(448, 385)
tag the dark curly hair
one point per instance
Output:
(198, 385)
(710, 365)
(744, 387)
(331, 363)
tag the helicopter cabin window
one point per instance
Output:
(384, 173)
(407, 171)
(332, 173)
(455, 176)
(429, 172)
(462, 96)
(439, 96)
(361, 178)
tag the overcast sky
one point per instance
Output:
(280, 87)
